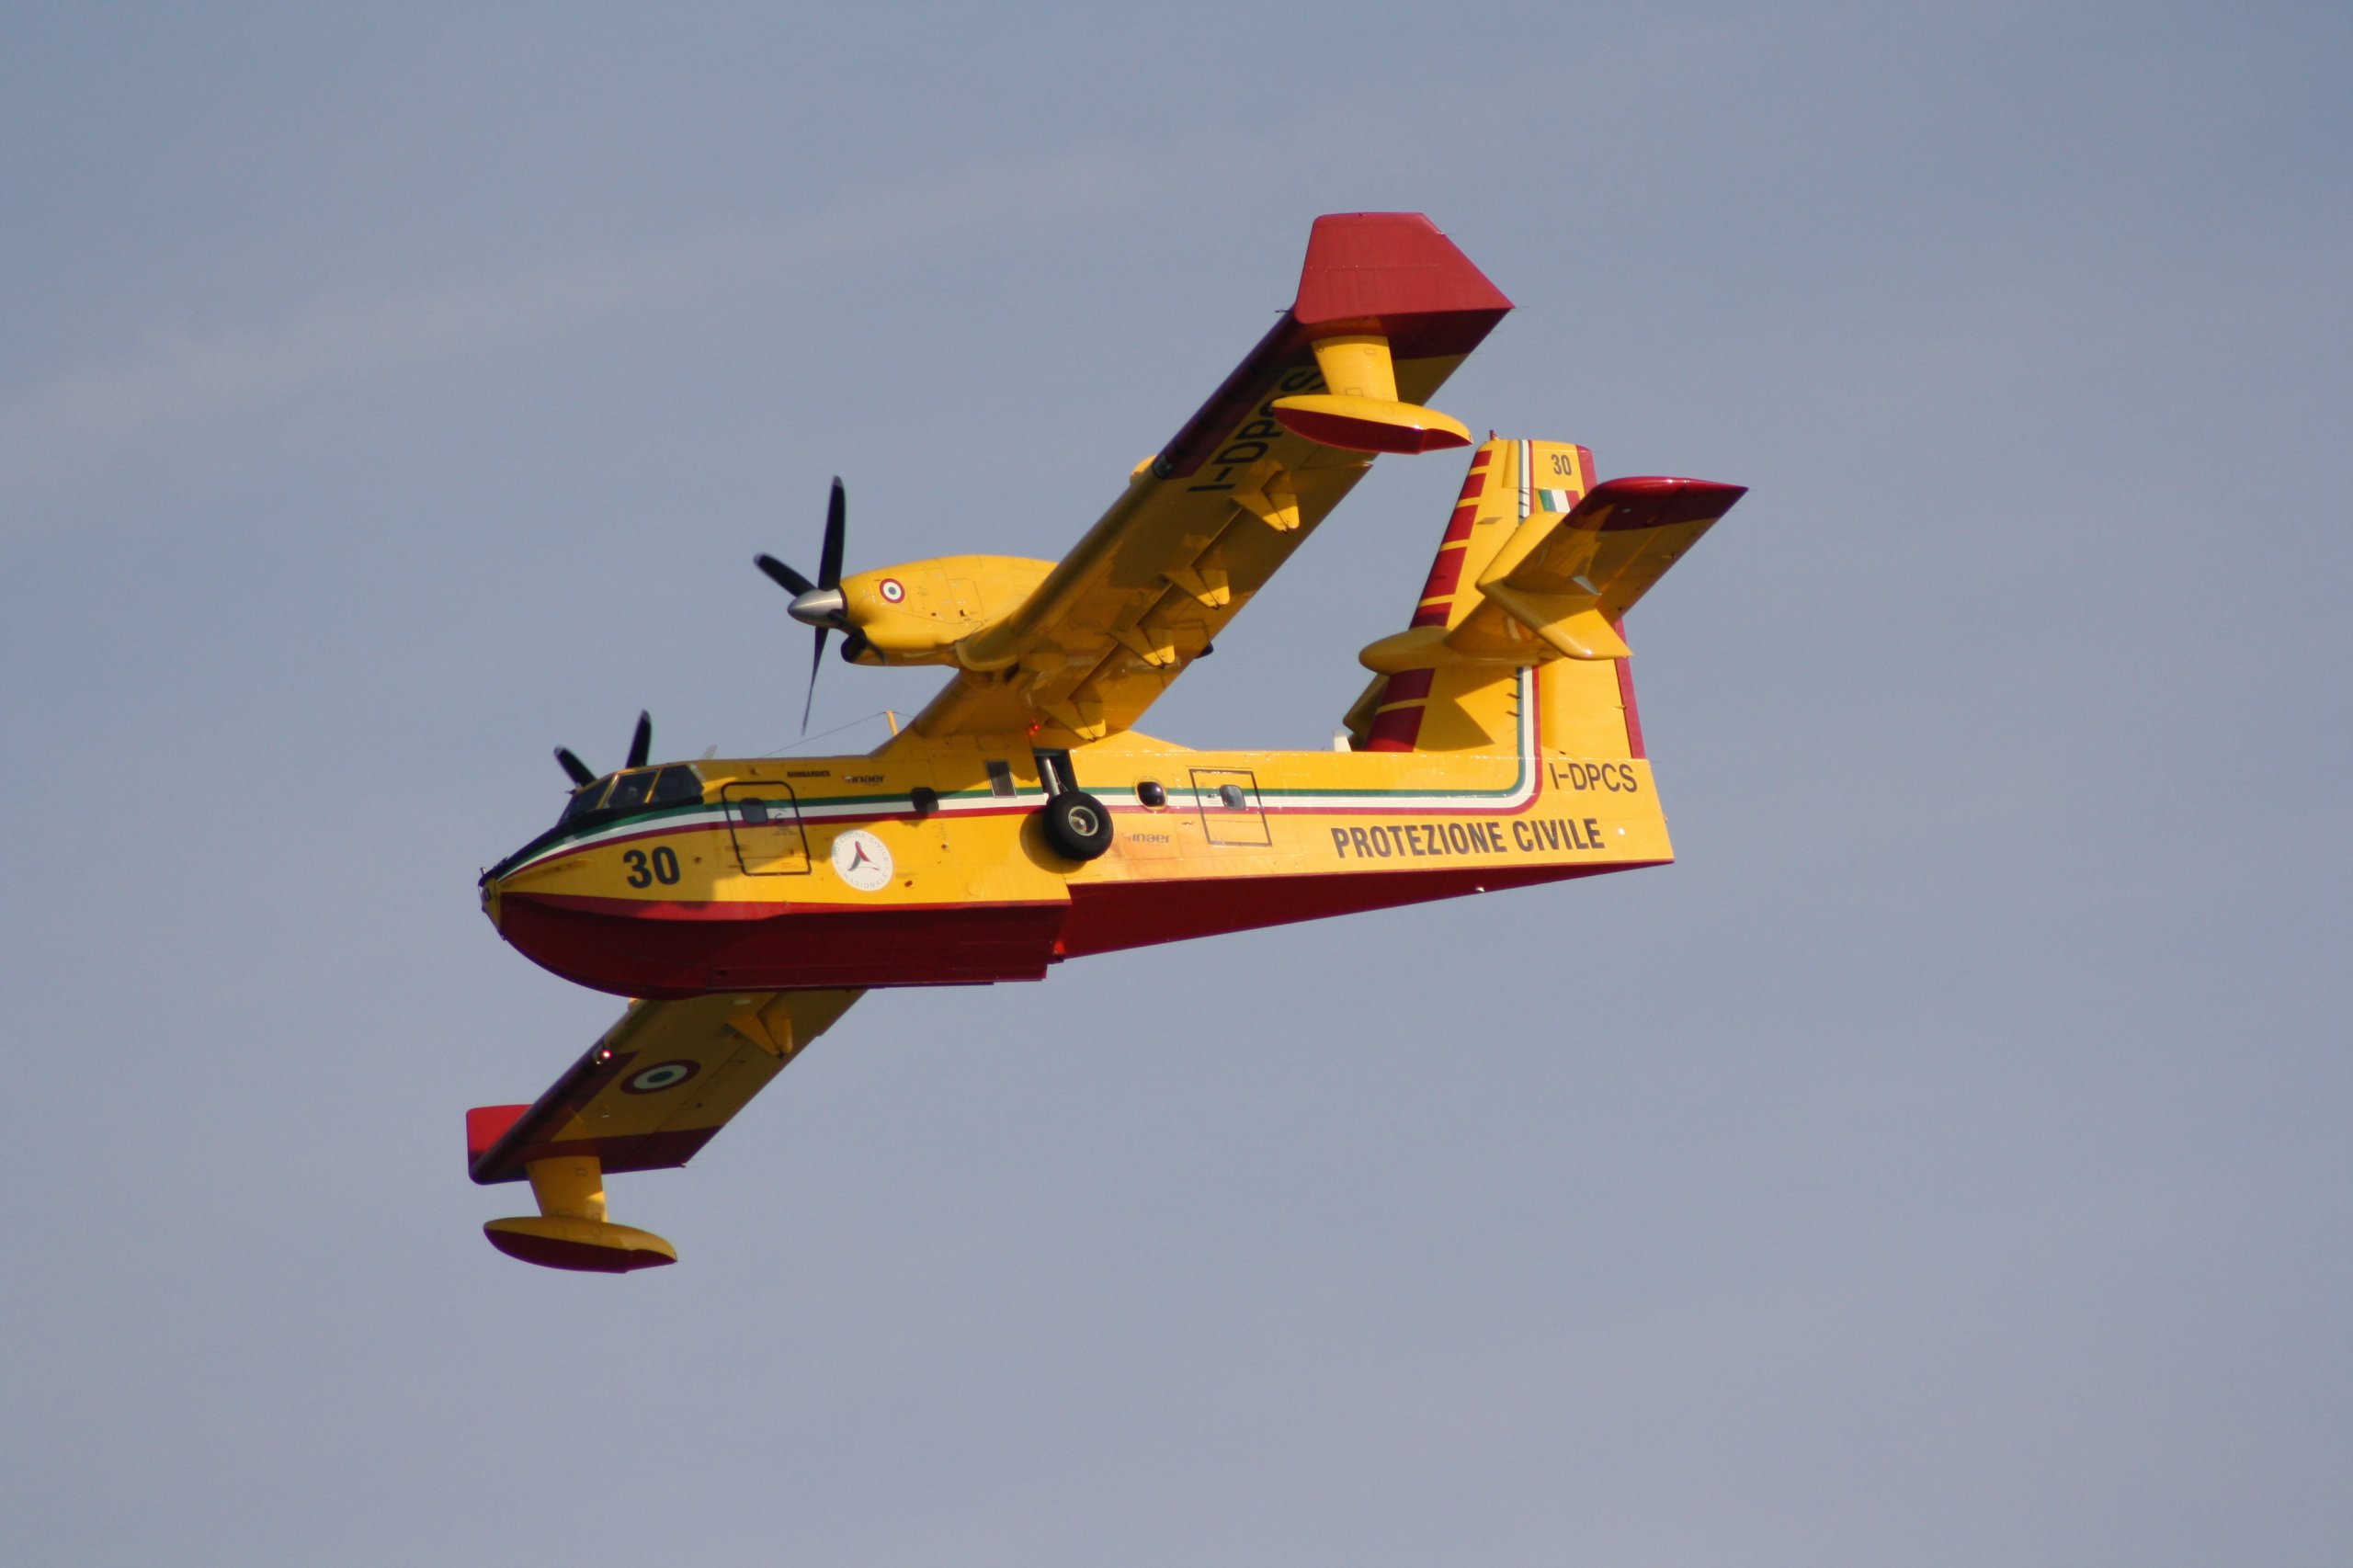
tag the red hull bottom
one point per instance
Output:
(1109, 917)
(671, 951)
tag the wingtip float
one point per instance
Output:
(1021, 819)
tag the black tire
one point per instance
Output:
(1076, 825)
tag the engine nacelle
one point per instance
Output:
(912, 614)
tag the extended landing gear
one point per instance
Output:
(1076, 825)
(570, 1230)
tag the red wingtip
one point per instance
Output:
(1369, 265)
(486, 1124)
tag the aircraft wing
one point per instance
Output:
(660, 1084)
(1204, 524)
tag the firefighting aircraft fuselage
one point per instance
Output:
(1021, 819)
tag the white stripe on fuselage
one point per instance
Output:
(714, 815)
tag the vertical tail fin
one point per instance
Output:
(1442, 705)
(1526, 605)
(1399, 702)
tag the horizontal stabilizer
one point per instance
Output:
(1569, 623)
(1562, 580)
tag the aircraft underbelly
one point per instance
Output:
(1108, 916)
(667, 952)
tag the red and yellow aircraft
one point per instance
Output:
(1021, 819)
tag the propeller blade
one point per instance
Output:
(829, 564)
(640, 744)
(572, 765)
(817, 662)
(784, 576)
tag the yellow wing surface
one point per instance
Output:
(1387, 308)
(657, 1087)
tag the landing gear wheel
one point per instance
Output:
(1076, 825)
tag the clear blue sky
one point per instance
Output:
(1946, 1162)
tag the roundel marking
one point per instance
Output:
(862, 860)
(893, 590)
(660, 1076)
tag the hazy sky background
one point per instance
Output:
(1949, 1161)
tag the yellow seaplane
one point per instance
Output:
(1022, 818)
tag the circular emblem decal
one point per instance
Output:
(862, 860)
(892, 590)
(660, 1076)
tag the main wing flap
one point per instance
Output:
(660, 1084)
(1205, 524)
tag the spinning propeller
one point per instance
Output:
(819, 604)
(641, 746)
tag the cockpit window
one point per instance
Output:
(676, 786)
(583, 800)
(630, 790)
(639, 790)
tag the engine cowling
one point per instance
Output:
(915, 613)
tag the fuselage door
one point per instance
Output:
(765, 821)
(1228, 798)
